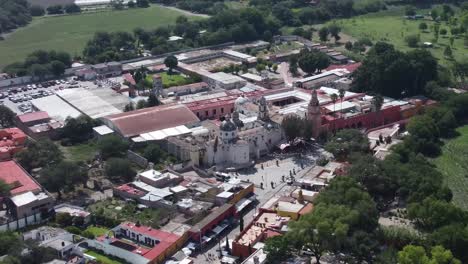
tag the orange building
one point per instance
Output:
(12, 140)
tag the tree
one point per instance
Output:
(412, 40)
(39, 71)
(341, 93)
(142, 3)
(325, 229)
(277, 249)
(349, 45)
(335, 31)
(347, 141)
(412, 254)
(37, 10)
(392, 73)
(293, 65)
(6, 117)
(131, 4)
(443, 31)
(292, 126)
(434, 14)
(410, 11)
(308, 62)
(334, 97)
(72, 8)
(152, 100)
(77, 130)
(154, 153)
(423, 26)
(39, 154)
(171, 62)
(129, 107)
(55, 9)
(112, 146)
(64, 219)
(300, 197)
(10, 243)
(275, 67)
(4, 189)
(448, 52)
(141, 104)
(259, 67)
(119, 170)
(432, 214)
(323, 34)
(57, 68)
(377, 103)
(63, 177)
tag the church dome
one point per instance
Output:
(228, 125)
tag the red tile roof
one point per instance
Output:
(34, 116)
(21, 181)
(146, 120)
(166, 239)
(350, 67)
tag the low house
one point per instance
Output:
(38, 124)
(139, 244)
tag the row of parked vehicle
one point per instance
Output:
(30, 96)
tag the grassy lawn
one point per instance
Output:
(102, 258)
(124, 211)
(70, 33)
(80, 152)
(97, 231)
(170, 80)
(453, 164)
(390, 26)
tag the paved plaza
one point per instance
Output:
(265, 171)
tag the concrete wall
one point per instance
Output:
(22, 222)
(118, 252)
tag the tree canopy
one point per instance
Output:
(392, 73)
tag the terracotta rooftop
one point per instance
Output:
(34, 116)
(20, 181)
(166, 239)
(146, 120)
(350, 67)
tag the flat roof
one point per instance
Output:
(237, 54)
(34, 116)
(95, 103)
(211, 217)
(55, 107)
(103, 130)
(165, 133)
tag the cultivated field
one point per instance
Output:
(453, 163)
(70, 33)
(390, 26)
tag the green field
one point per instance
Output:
(80, 152)
(169, 80)
(97, 231)
(102, 258)
(453, 164)
(71, 32)
(390, 26)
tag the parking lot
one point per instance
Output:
(19, 98)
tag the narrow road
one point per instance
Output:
(185, 12)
